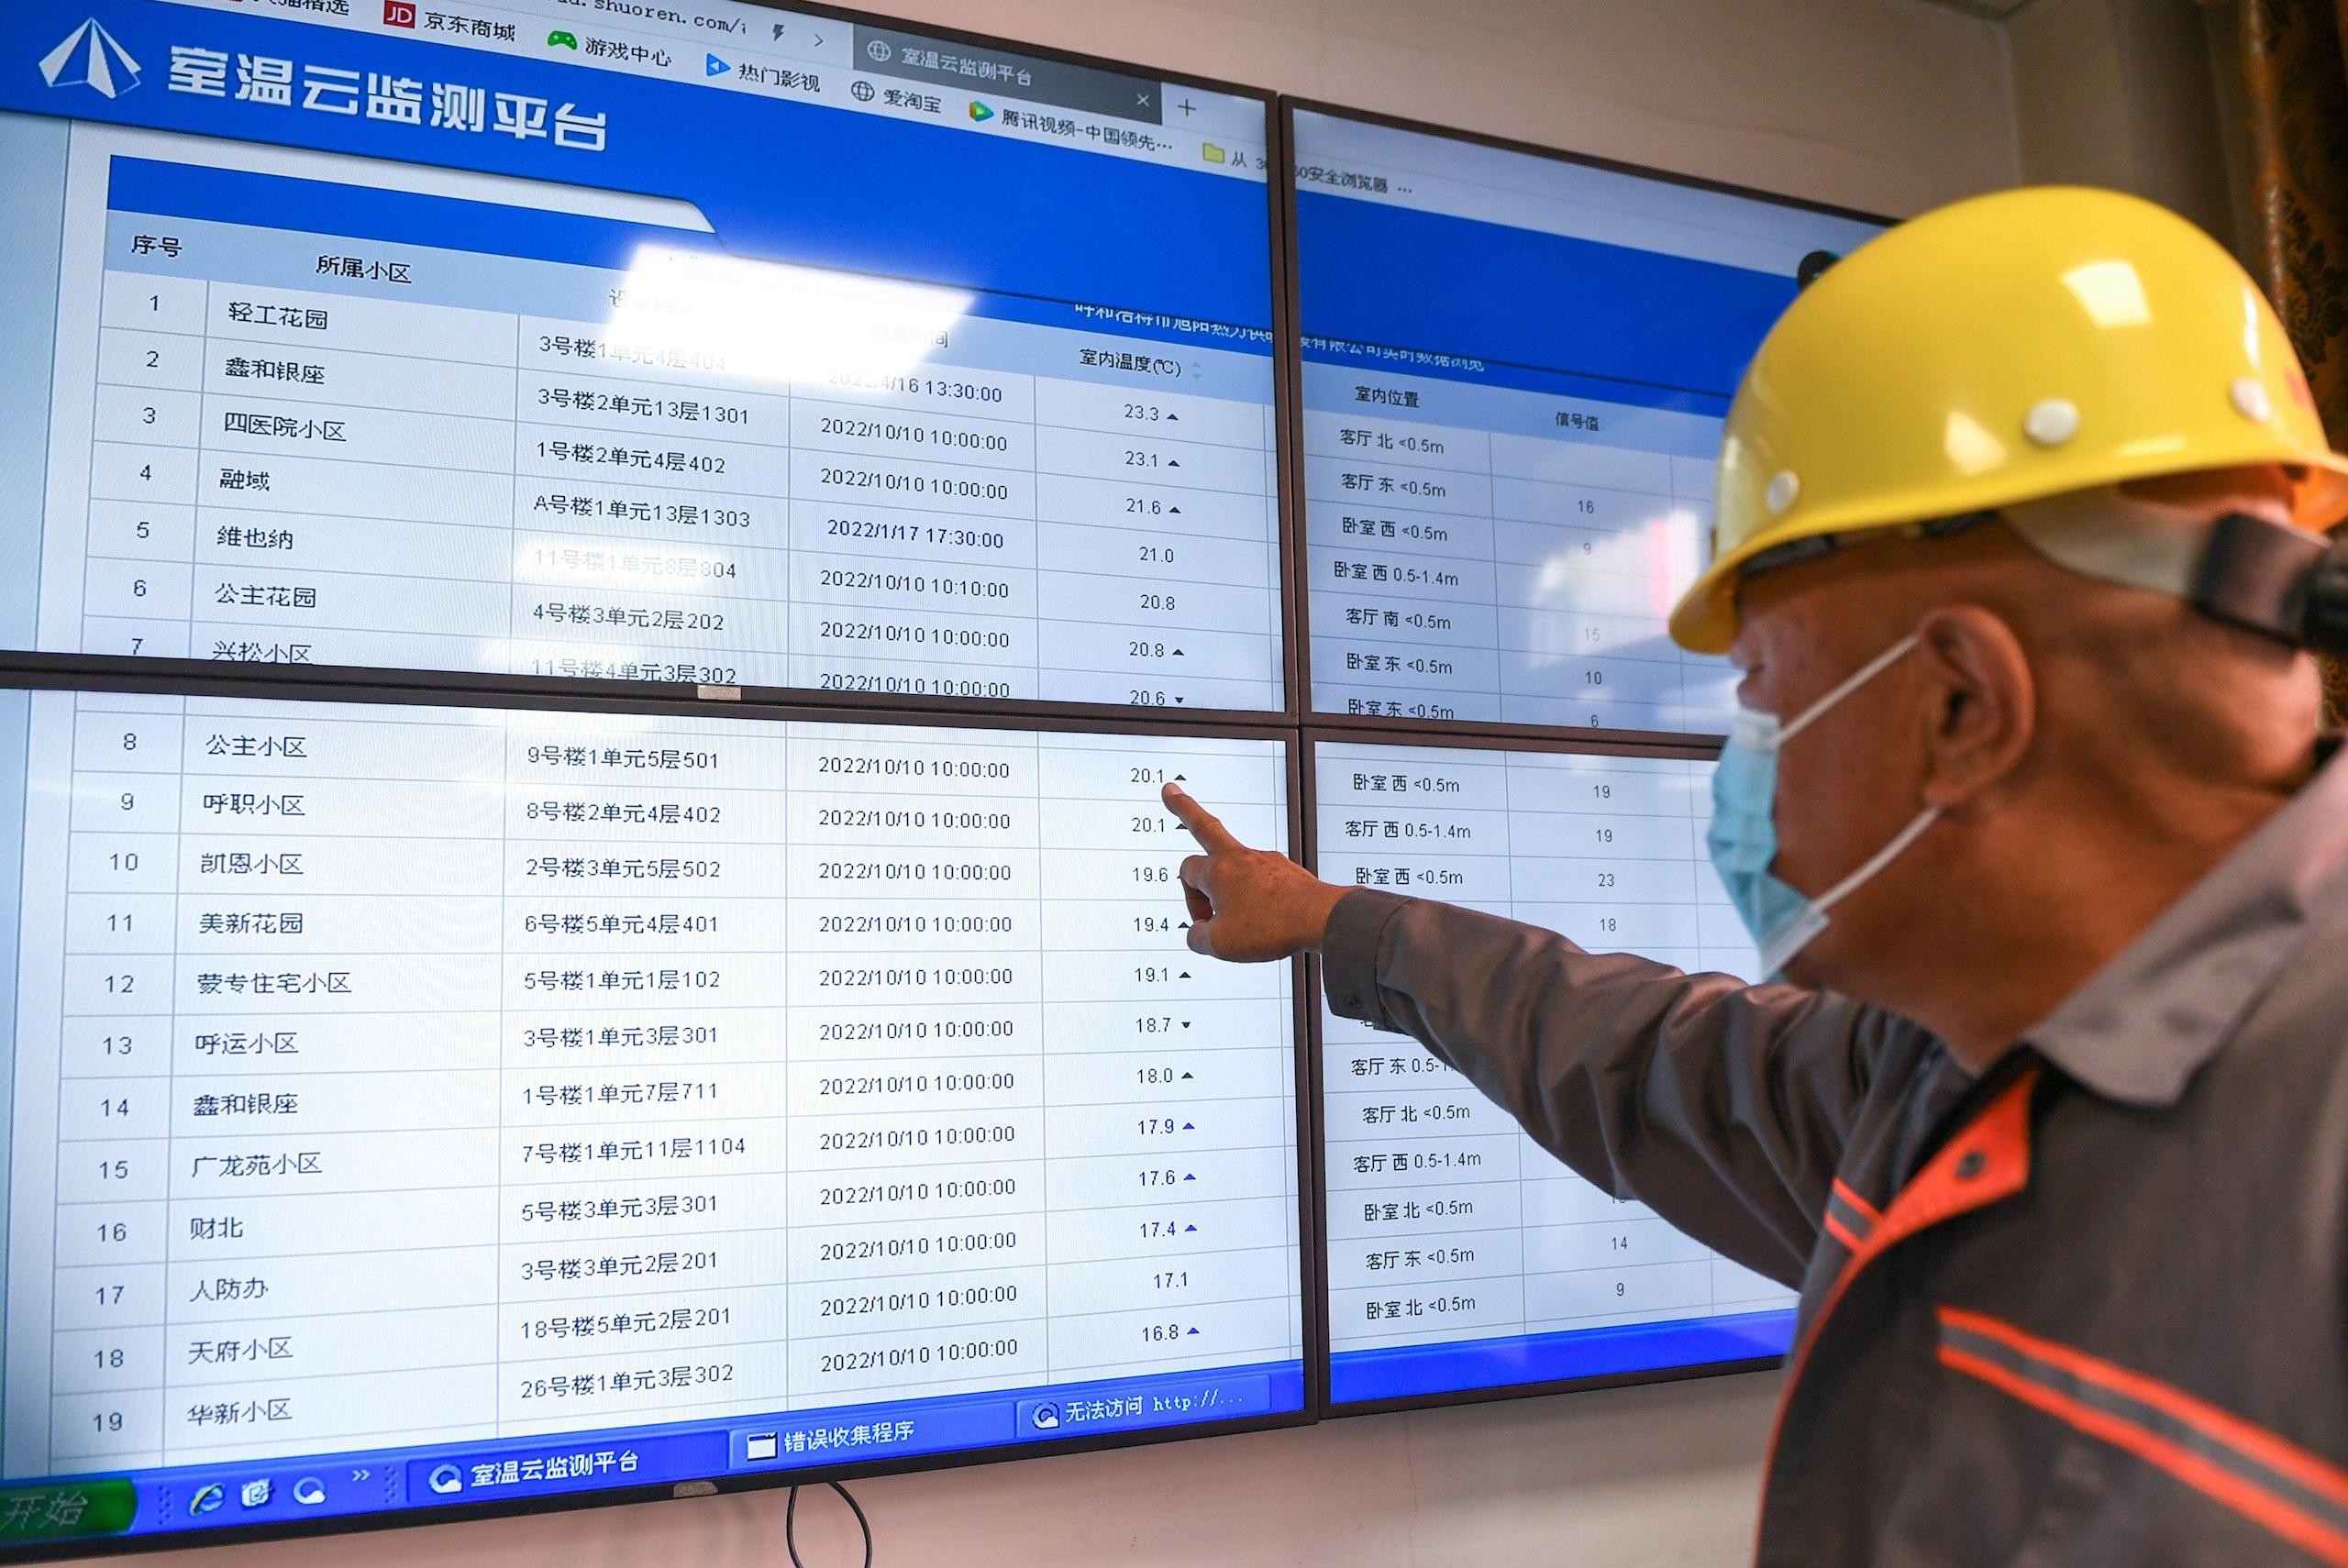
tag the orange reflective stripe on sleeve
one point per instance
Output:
(2290, 1491)
(1849, 1219)
(1852, 1200)
(1843, 1233)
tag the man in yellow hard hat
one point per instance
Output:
(2018, 547)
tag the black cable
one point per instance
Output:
(791, 1524)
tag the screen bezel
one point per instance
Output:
(1373, 725)
(1314, 735)
(1296, 726)
(1287, 552)
(1313, 1356)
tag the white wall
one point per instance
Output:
(2122, 93)
(1889, 105)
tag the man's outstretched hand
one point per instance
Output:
(1247, 905)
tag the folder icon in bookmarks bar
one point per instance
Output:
(1213, 153)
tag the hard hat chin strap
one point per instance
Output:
(2239, 568)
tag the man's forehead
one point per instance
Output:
(1873, 590)
(1827, 601)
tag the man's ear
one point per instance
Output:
(1983, 708)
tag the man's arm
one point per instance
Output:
(1724, 1107)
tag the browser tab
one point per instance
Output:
(885, 52)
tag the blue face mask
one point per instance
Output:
(1744, 835)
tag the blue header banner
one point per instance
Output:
(796, 182)
(277, 201)
(1375, 273)
(151, 188)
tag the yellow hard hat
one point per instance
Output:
(1999, 350)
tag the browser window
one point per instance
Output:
(713, 345)
(1516, 371)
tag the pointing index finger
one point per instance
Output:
(1213, 836)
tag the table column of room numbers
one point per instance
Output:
(482, 1073)
(1445, 1220)
(427, 464)
(1461, 567)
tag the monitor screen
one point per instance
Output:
(1515, 370)
(417, 1107)
(1462, 1256)
(716, 343)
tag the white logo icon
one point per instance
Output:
(90, 57)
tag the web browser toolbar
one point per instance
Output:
(800, 57)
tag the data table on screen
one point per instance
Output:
(1497, 554)
(1517, 367)
(307, 421)
(397, 1076)
(1461, 1253)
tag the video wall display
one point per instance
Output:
(1462, 1256)
(1515, 367)
(596, 602)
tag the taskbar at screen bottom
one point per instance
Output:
(72, 1514)
(1465, 1367)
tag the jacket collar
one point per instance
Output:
(2146, 1022)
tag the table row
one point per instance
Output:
(1142, 680)
(339, 820)
(927, 1186)
(1424, 1313)
(355, 341)
(448, 1404)
(806, 553)
(1106, 1259)
(653, 1147)
(127, 986)
(679, 1320)
(816, 1095)
(269, 738)
(645, 1035)
(158, 364)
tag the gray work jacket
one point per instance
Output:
(2089, 1308)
